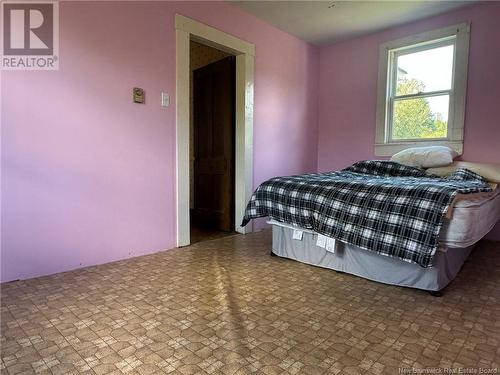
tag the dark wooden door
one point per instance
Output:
(214, 134)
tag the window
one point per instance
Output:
(421, 91)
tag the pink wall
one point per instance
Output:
(88, 176)
(348, 90)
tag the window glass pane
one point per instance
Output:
(421, 117)
(425, 71)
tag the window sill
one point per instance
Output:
(389, 149)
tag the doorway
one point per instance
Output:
(212, 142)
(188, 30)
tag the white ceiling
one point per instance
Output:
(326, 22)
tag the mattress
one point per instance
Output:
(470, 218)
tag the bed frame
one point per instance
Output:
(356, 261)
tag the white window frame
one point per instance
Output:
(459, 34)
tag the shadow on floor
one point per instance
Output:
(200, 233)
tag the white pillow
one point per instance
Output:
(426, 157)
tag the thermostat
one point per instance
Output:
(138, 95)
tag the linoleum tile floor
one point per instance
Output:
(227, 307)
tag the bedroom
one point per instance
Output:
(95, 275)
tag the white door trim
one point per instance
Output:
(186, 30)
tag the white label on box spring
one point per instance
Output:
(297, 234)
(330, 244)
(321, 241)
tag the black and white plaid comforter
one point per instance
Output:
(380, 206)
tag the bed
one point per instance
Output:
(466, 213)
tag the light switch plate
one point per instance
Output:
(165, 99)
